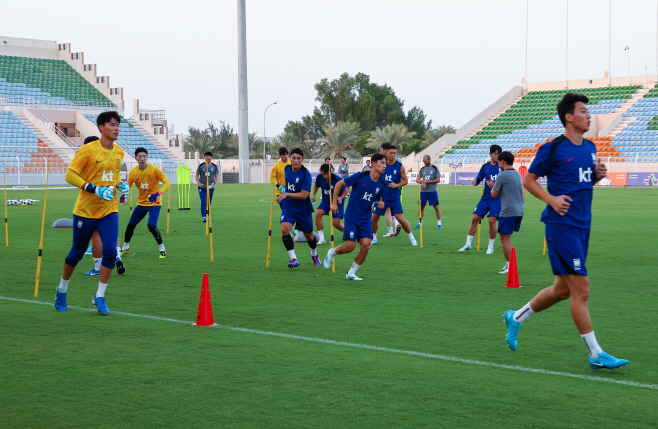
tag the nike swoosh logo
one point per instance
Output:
(568, 160)
(98, 162)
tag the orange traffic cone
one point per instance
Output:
(204, 315)
(513, 272)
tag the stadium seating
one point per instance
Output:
(21, 149)
(43, 81)
(529, 123)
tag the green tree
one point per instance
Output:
(415, 121)
(339, 139)
(360, 145)
(396, 134)
(198, 141)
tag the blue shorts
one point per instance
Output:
(508, 225)
(141, 211)
(337, 215)
(83, 228)
(304, 221)
(357, 231)
(431, 198)
(395, 205)
(491, 206)
(567, 248)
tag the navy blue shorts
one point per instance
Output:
(357, 231)
(304, 221)
(508, 225)
(337, 215)
(567, 248)
(491, 206)
(395, 205)
(429, 197)
(141, 211)
(83, 228)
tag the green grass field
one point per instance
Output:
(419, 343)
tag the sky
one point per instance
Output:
(450, 58)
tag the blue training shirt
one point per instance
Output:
(298, 181)
(570, 171)
(365, 192)
(488, 172)
(392, 175)
(321, 183)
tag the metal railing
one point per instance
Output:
(54, 128)
(156, 114)
(54, 104)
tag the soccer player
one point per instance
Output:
(572, 169)
(147, 177)
(367, 166)
(396, 178)
(210, 177)
(277, 176)
(487, 204)
(95, 169)
(509, 187)
(322, 182)
(367, 188)
(296, 207)
(428, 177)
(97, 245)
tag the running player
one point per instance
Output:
(296, 207)
(95, 169)
(572, 168)
(509, 187)
(428, 177)
(367, 188)
(396, 178)
(322, 182)
(487, 204)
(147, 177)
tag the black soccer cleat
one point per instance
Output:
(120, 267)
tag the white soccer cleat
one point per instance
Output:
(352, 277)
(323, 241)
(505, 269)
(414, 242)
(490, 250)
(389, 235)
(328, 259)
(464, 249)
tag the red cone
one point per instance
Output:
(204, 315)
(513, 273)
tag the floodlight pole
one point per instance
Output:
(610, 44)
(243, 101)
(566, 61)
(628, 48)
(265, 113)
(526, 45)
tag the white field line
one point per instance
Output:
(367, 347)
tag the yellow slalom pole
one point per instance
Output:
(269, 238)
(4, 181)
(544, 251)
(420, 216)
(168, 206)
(43, 222)
(131, 193)
(480, 223)
(331, 219)
(208, 215)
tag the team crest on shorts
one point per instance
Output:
(576, 264)
(351, 234)
(79, 224)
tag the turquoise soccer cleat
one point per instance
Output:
(99, 303)
(490, 250)
(604, 360)
(352, 277)
(464, 249)
(328, 259)
(512, 329)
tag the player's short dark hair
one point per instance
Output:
(327, 158)
(324, 168)
(344, 158)
(388, 146)
(283, 150)
(367, 160)
(508, 157)
(140, 150)
(495, 148)
(207, 153)
(568, 103)
(376, 157)
(106, 117)
(90, 139)
(297, 151)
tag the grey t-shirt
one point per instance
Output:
(429, 173)
(344, 171)
(201, 171)
(509, 186)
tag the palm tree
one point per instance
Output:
(431, 136)
(198, 142)
(339, 138)
(395, 134)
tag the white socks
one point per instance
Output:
(321, 234)
(592, 345)
(162, 248)
(292, 254)
(374, 236)
(314, 252)
(126, 246)
(390, 230)
(118, 252)
(97, 263)
(395, 222)
(100, 293)
(411, 236)
(63, 286)
(354, 268)
(469, 240)
(439, 222)
(522, 314)
(492, 241)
